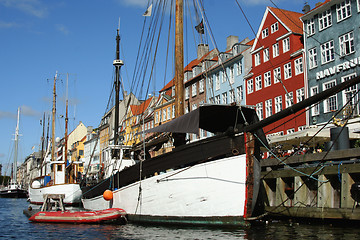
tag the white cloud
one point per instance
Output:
(32, 7)
(28, 111)
(7, 24)
(7, 115)
(61, 28)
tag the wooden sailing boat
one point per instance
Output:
(213, 181)
(58, 181)
(14, 190)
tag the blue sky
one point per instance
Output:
(40, 37)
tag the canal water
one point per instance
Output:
(15, 225)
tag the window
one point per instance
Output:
(330, 104)
(59, 168)
(201, 86)
(217, 81)
(286, 44)
(358, 5)
(289, 99)
(350, 96)
(193, 107)
(277, 75)
(164, 115)
(287, 70)
(250, 86)
(156, 117)
(168, 113)
(173, 111)
(289, 131)
(239, 68)
(265, 33)
(310, 27)
(274, 27)
(312, 58)
(257, 59)
(217, 99)
(258, 83)
(81, 152)
(210, 81)
(275, 49)
(327, 52)
(231, 77)
(223, 76)
(346, 44)
(325, 20)
(268, 108)
(193, 88)
(224, 98)
(315, 109)
(187, 93)
(259, 110)
(343, 10)
(298, 66)
(278, 104)
(267, 79)
(239, 94)
(300, 95)
(232, 96)
(266, 55)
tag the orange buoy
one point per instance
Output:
(108, 195)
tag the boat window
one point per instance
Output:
(59, 168)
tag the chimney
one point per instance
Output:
(202, 50)
(230, 41)
(306, 8)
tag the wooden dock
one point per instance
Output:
(312, 185)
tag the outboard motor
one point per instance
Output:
(355, 191)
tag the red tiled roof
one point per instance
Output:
(139, 109)
(289, 18)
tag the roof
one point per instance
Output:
(289, 18)
(139, 109)
(314, 10)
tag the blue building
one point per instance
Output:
(332, 48)
(225, 80)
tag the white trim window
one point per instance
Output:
(289, 99)
(231, 73)
(343, 10)
(286, 44)
(193, 90)
(278, 104)
(327, 52)
(275, 49)
(156, 117)
(349, 95)
(259, 110)
(239, 68)
(266, 55)
(231, 95)
(217, 81)
(268, 108)
(258, 83)
(330, 104)
(325, 20)
(315, 109)
(299, 66)
(358, 5)
(164, 114)
(250, 86)
(287, 70)
(210, 82)
(265, 33)
(187, 93)
(173, 112)
(277, 75)
(224, 98)
(274, 27)
(346, 44)
(168, 113)
(217, 99)
(312, 58)
(267, 79)
(223, 76)
(257, 59)
(193, 107)
(239, 94)
(291, 130)
(201, 86)
(300, 95)
(310, 27)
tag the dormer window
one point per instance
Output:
(274, 27)
(265, 33)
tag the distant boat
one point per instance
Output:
(14, 190)
(54, 177)
(53, 211)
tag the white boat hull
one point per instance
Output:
(72, 193)
(212, 189)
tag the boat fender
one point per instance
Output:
(355, 191)
(108, 195)
(235, 152)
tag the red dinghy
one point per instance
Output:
(60, 215)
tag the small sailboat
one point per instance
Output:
(53, 211)
(54, 177)
(14, 190)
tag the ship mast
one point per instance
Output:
(13, 180)
(53, 123)
(117, 63)
(66, 119)
(179, 59)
